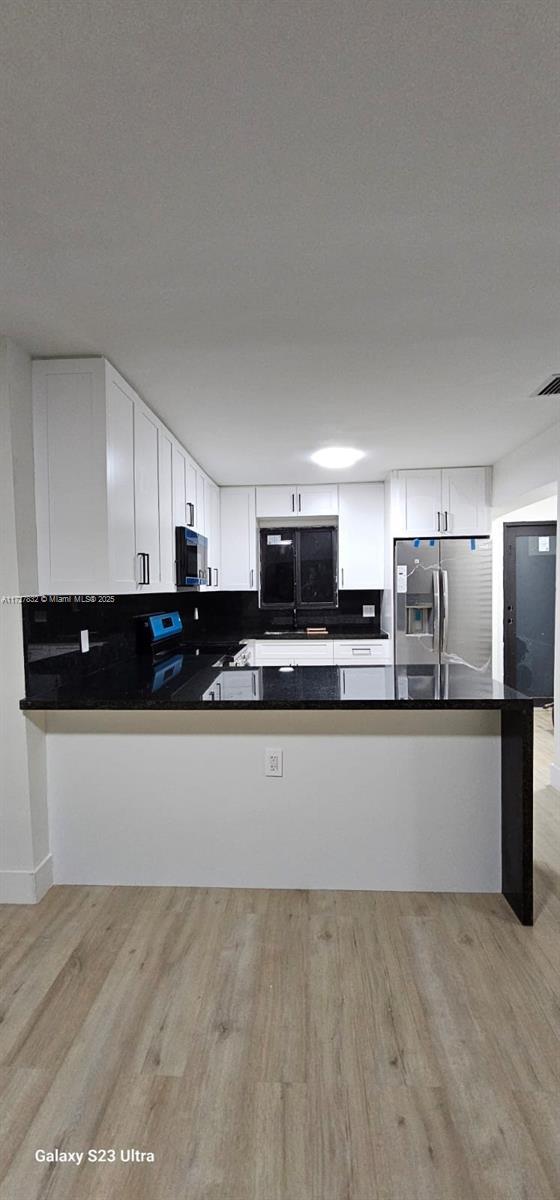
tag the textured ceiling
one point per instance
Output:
(291, 224)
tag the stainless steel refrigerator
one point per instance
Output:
(443, 602)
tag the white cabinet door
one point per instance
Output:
(361, 540)
(365, 683)
(146, 499)
(317, 500)
(239, 539)
(190, 494)
(166, 526)
(465, 501)
(212, 498)
(200, 513)
(277, 501)
(120, 484)
(178, 465)
(420, 503)
(71, 475)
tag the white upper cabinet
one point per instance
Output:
(436, 503)
(298, 500)
(361, 561)
(190, 495)
(76, 471)
(212, 523)
(239, 539)
(120, 483)
(200, 509)
(276, 501)
(166, 522)
(317, 500)
(465, 500)
(178, 467)
(146, 499)
(110, 483)
(419, 503)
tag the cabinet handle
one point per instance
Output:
(439, 522)
(190, 513)
(216, 581)
(209, 580)
(446, 522)
(299, 502)
(293, 502)
(251, 577)
(145, 561)
(342, 576)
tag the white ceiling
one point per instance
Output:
(291, 222)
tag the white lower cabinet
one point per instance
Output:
(234, 685)
(296, 653)
(364, 683)
(363, 652)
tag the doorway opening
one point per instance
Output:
(529, 608)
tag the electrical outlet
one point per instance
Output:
(274, 763)
(84, 640)
(368, 610)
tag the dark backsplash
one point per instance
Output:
(51, 629)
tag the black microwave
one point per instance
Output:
(191, 556)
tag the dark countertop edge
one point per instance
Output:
(298, 635)
(271, 706)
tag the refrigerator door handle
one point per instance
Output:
(445, 610)
(436, 612)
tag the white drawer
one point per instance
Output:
(293, 653)
(363, 652)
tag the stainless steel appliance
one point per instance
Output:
(443, 601)
(191, 554)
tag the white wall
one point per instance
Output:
(24, 839)
(529, 473)
(541, 510)
(375, 800)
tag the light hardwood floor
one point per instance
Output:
(286, 1046)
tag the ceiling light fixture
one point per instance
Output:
(335, 457)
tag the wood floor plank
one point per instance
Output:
(286, 1045)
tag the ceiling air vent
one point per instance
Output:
(551, 387)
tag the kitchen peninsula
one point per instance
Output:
(413, 780)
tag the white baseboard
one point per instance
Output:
(555, 776)
(26, 887)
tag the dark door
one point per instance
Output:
(529, 608)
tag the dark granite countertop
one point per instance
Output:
(190, 681)
(357, 633)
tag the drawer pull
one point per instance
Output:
(361, 650)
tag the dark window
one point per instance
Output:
(298, 567)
